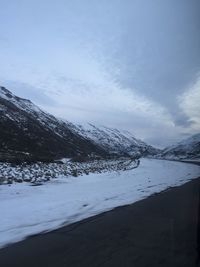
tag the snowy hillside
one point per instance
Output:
(29, 133)
(186, 149)
(113, 140)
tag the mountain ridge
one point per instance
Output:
(188, 148)
(28, 132)
(114, 140)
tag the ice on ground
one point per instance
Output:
(27, 210)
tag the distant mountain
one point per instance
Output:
(186, 149)
(29, 133)
(115, 141)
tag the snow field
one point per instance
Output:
(27, 210)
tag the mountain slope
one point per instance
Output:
(27, 132)
(186, 149)
(115, 141)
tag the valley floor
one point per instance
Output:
(28, 210)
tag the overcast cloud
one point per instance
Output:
(132, 64)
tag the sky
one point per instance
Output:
(127, 64)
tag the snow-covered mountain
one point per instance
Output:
(186, 149)
(115, 141)
(27, 132)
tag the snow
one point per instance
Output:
(25, 105)
(191, 160)
(65, 160)
(110, 138)
(185, 149)
(40, 172)
(27, 210)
